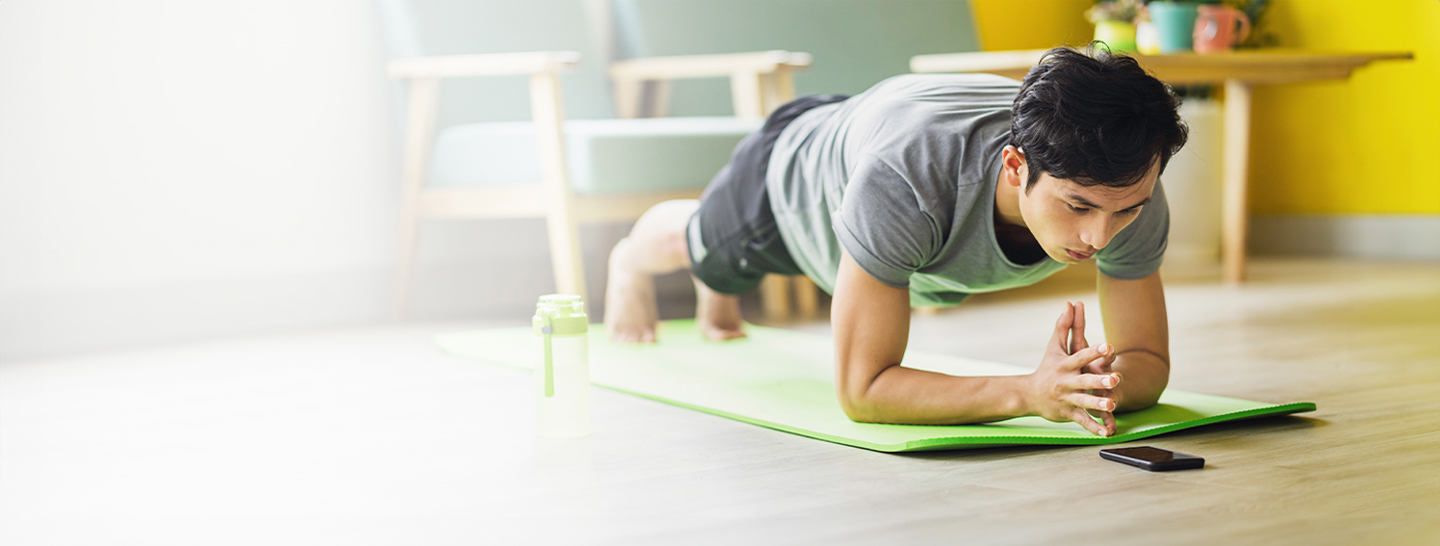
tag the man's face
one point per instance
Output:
(1072, 222)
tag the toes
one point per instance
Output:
(717, 334)
(633, 336)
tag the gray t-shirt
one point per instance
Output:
(903, 177)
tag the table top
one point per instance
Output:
(1261, 66)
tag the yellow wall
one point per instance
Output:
(1367, 145)
(1031, 24)
(1363, 146)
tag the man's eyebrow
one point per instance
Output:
(1086, 203)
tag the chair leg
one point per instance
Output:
(775, 296)
(560, 220)
(418, 134)
(405, 265)
(806, 300)
(565, 257)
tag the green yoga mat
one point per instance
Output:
(784, 380)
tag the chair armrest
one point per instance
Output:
(494, 64)
(708, 66)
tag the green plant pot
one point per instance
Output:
(1119, 35)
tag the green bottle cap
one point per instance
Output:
(560, 315)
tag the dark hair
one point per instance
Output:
(1095, 118)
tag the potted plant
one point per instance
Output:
(1147, 38)
(1255, 10)
(1115, 23)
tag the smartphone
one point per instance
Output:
(1153, 459)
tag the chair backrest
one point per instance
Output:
(855, 43)
(415, 28)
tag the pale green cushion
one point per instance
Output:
(605, 156)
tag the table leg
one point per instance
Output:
(1235, 213)
(807, 301)
(775, 297)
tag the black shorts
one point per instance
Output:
(733, 239)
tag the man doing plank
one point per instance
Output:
(926, 189)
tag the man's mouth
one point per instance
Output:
(1078, 256)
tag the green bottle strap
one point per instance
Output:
(549, 361)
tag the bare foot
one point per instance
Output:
(630, 312)
(717, 315)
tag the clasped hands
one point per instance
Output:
(1074, 381)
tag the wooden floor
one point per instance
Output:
(372, 436)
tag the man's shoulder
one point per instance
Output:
(914, 106)
(931, 88)
(940, 132)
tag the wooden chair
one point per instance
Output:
(545, 164)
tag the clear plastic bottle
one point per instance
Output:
(562, 371)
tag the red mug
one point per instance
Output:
(1215, 28)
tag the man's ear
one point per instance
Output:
(1012, 164)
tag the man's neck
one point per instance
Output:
(1007, 205)
(1011, 233)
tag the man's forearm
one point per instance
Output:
(900, 395)
(1143, 378)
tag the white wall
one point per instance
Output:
(178, 169)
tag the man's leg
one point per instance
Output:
(718, 315)
(657, 245)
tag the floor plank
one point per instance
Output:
(372, 436)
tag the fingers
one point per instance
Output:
(1077, 328)
(1062, 328)
(1099, 366)
(1107, 419)
(1085, 420)
(1090, 402)
(1088, 356)
(1090, 381)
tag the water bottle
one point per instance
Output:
(562, 373)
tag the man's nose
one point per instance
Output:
(1097, 233)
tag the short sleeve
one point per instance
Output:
(882, 224)
(1137, 251)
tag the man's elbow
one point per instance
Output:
(858, 411)
(861, 394)
(1150, 377)
(1143, 399)
(859, 406)
(1137, 405)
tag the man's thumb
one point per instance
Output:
(1062, 327)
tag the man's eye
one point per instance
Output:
(1075, 208)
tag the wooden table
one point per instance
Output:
(1239, 72)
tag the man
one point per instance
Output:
(923, 190)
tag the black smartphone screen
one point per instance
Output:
(1153, 458)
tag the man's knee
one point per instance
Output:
(678, 209)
